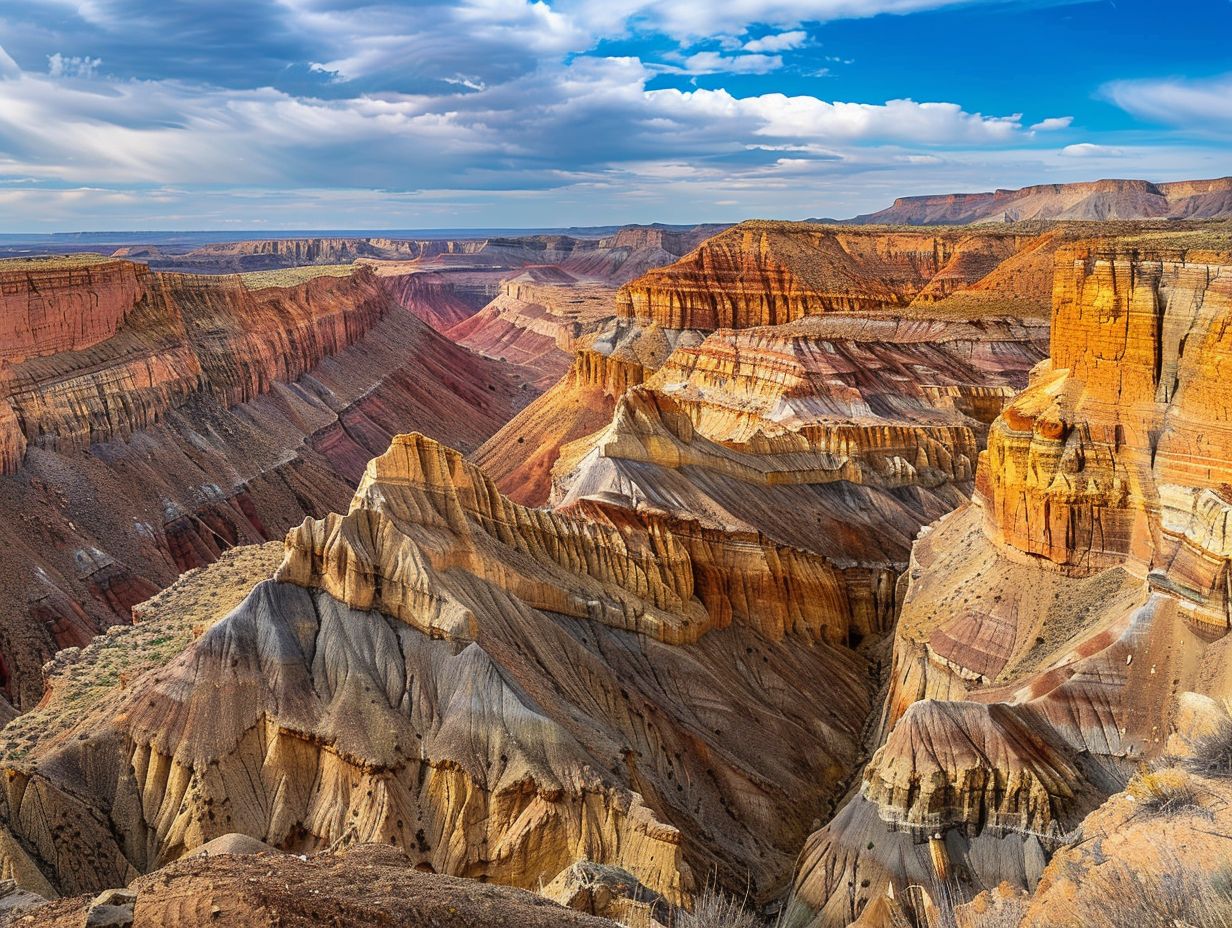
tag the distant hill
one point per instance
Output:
(1095, 200)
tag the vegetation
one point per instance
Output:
(1169, 791)
(52, 262)
(293, 276)
(1212, 753)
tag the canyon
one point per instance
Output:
(876, 576)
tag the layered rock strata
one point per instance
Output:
(499, 691)
(1050, 628)
(769, 273)
(1097, 200)
(213, 415)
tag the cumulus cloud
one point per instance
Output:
(438, 107)
(1053, 124)
(779, 42)
(1091, 150)
(1200, 105)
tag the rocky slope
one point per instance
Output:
(1097, 200)
(1051, 630)
(193, 414)
(537, 320)
(762, 272)
(497, 690)
(369, 886)
(769, 273)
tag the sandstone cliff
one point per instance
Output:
(537, 320)
(1050, 628)
(765, 273)
(497, 690)
(212, 415)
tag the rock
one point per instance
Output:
(611, 893)
(112, 908)
(1098, 200)
(233, 843)
(769, 273)
(215, 415)
(1055, 631)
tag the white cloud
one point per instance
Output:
(1053, 124)
(1200, 105)
(8, 67)
(780, 42)
(716, 63)
(72, 66)
(1091, 150)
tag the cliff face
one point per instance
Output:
(761, 273)
(49, 307)
(214, 415)
(1050, 629)
(1098, 200)
(497, 690)
(520, 456)
(537, 321)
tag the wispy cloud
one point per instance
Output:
(1203, 105)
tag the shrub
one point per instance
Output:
(713, 908)
(1165, 792)
(1212, 753)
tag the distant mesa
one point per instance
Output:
(1092, 201)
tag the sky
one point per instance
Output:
(396, 114)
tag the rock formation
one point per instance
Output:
(368, 886)
(759, 273)
(1051, 628)
(769, 273)
(538, 320)
(500, 691)
(1098, 200)
(150, 420)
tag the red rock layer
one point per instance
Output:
(521, 455)
(761, 273)
(214, 416)
(537, 321)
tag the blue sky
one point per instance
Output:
(283, 114)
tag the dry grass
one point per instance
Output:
(1170, 791)
(1212, 753)
(293, 276)
(1176, 897)
(54, 262)
(714, 908)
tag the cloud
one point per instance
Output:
(1053, 124)
(780, 42)
(1199, 105)
(8, 67)
(76, 66)
(1091, 150)
(716, 63)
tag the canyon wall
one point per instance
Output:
(764, 273)
(212, 415)
(1054, 630)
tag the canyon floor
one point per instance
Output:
(786, 574)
